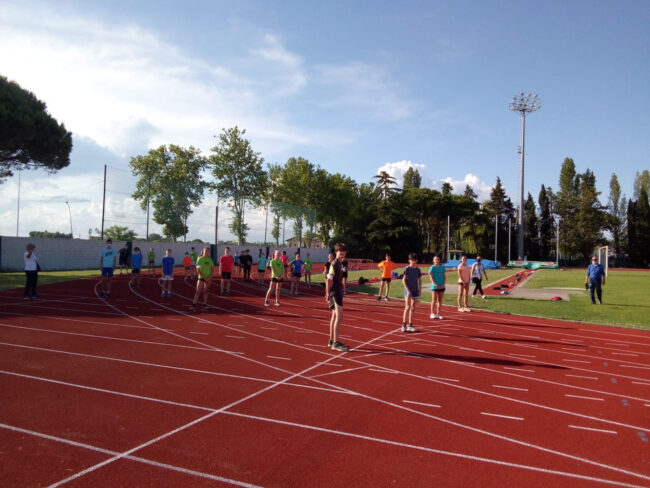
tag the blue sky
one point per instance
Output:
(354, 87)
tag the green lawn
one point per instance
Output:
(625, 297)
(17, 280)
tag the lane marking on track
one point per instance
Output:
(616, 344)
(522, 355)
(625, 354)
(583, 377)
(576, 361)
(199, 333)
(279, 357)
(236, 337)
(604, 431)
(519, 369)
(314, 345)
(510, 388)
(584, 397)
(337, 372)
(268, 328)
(640, 383)
(383, 370)
(304, 332)
(502, 416)
(572, 349)
(177, 320)
(443, 379)
(632, 366)
(424, 404)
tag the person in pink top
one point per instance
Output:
(285, 262)
(226, 263)
(464, 273)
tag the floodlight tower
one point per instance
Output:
(524, 104)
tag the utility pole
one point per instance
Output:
(104, 203)
(524, 104)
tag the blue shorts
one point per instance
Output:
(107, 272)
(414, 294)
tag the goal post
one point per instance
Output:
(603, 258)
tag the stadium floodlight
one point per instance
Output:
(524, 104)
(70, 215)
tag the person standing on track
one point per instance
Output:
(285, 263)
(204, 265)
(386, 266)
(167, 273)
(296, 273)
(412, 280)
(595, 279)
(330, 259)
(478, 271)
(107, 261)
(136, 263)
(246, 261)
(31, 271)
(261, 270)
(237, 268)
(151, 257)
(226, 263)
(193, 256)
(334, 297)
(123, 259)
(463, 283)
(187, 264)
(277, 272)
(437, 274)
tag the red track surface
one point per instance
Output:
(132, 391)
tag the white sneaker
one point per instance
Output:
(410, 328)
(484, 297)
(439, 317)
(277, 304)
(266, 304)
(466, 309)
(432, 316)
(461, 309)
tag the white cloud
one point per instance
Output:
(398, 169)
(480, 187)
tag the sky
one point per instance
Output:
(355, 87)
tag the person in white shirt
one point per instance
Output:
(478, 271)
(31, 272)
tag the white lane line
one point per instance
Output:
(337, 372)
(199, 333)
(519, 369)
(522, 355)
(625, 354)
(510, 388)
(583, 377)
(640, 383)
(334, 364)
(594, 430)
(236, 337)
(502, 416)
(585, 397)
(572, 349)
(424, 404)
(632, 366)
(269, 328)
(616, 344)
(382, 371)
(279, 357)
(576, 361)
(443, 379)
(315, 345)
(177, 320)
(304, 331)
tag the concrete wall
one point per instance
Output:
(68, 254)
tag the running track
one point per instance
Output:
(132, 391)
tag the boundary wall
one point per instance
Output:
(72, 254)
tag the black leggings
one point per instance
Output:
(30, 285)
(477, 286)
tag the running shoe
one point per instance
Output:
(169, 293)
(379, 298)
(330, 343)
(386, 299)
(163, 294)
(461, 309)
(410, 328)
(466, 309)
(432, 316)
(192, 309)
(339, 346)
(277, 304)
(266, 303)
(439, 317)
(403, 327)
(484, 297)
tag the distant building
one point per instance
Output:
(315, 243)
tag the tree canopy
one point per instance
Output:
(30, 138)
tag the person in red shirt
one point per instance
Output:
(187, 262)
(225, 264)
(285, 262)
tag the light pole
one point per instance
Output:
(70, 215)
(523, 104)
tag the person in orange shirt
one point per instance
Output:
(386, 266)
(187, 262)
(464, 273)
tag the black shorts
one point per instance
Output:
(226, 275)
(276, 280)
(135, 271)
(335, 298)
(386, 280)
(296, 275)
(345, 274)
(151, 264)
(124, 261)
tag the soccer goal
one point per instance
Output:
(603, 257)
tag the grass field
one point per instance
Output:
(625, 295)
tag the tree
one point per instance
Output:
(531, 229)
(170, 177)
(590, 217)
(546, 223)
(30, 138)
(386, 185)
(118, 233)
(641, 182)
(154, 237)
(638, 229)
(412, 179)
(566, 207)
(55, 235)
(239, 174)
(446, 188)
(617, 206)
(500, 207)
(470, 193)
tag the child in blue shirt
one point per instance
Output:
(136, 263)
(167, 273)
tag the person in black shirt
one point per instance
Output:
(334, 290)
(123, 259)
(245, 261)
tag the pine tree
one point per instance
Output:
(546, 223)
(412, 179)
(617, 206)
(531, 229)
(566, 207)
